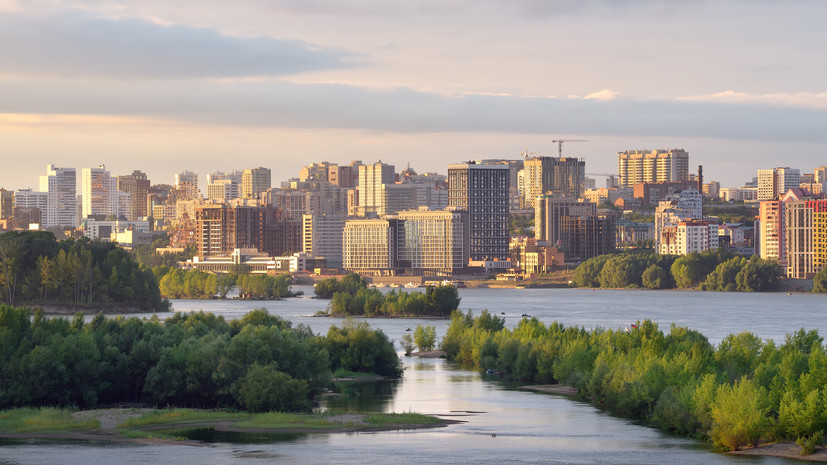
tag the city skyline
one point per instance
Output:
(163, 88)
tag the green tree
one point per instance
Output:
(740, 415)
(654, 277)
(425, 337)
(820, 281)
(265, 388)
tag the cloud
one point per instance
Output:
(815, 100)
(76, 44)
(282, 104)
(604, 94)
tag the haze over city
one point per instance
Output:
(209, 85)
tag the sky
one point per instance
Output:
(212, 85)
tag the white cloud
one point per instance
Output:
(604, 94)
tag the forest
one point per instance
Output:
(743, 392)
(352, 297)
(714, 270)
(257, 363)
(35, 268)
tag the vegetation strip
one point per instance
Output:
(740, 394)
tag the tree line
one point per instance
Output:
(352, 297)
(36, 268)
(740, 393)
(714, 270)
(176, 283)
(257, 363)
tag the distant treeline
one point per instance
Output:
(257, 363)
(351, 296)
(176, 283)
(36, 268)
(714, 270)
(741, 393)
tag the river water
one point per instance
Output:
(501, 424)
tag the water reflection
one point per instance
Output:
(362, 396)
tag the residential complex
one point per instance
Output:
(482, 191)
(636, 166)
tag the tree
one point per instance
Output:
(654, 277)
(740, 415)
(425, 337)
(820, 281)
(265, 388)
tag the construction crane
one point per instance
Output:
(559, 143)
(527, 153)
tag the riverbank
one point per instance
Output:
(63, 309)
(142, 425)
(787, 450)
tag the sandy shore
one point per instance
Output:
(786, 450)
(430, 354)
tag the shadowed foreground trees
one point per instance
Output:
(743, 392)
(190, 360)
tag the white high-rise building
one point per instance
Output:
(61, 186)
(774, 182)
(100, 192)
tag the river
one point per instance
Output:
(507, 425)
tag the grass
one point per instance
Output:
(180, 415)
(400, 419)
(279, 420)
(43, 420)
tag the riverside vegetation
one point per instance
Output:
(176, 283)
(352, 297)
(743, 392)
(35, 268)
(257, 363)
(714, 270)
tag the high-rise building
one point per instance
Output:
(318, 172)
(221, 228)
(254, 182)
(687, 236)
(432, 241)
(137, 186)
(635, 166)
(234, 176)
(370, 245)
(775, 182)
(186, 177)
(100, 192)
(798, 239)
(61, 186)
(482, 190)
(222, 190)
(322, 237)
(6, 204)
(687, 205)
(549, 211)
(541, 175)
(372, 193)
(769, 229)
(27, 199)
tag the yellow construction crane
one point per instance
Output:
(559, 143)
